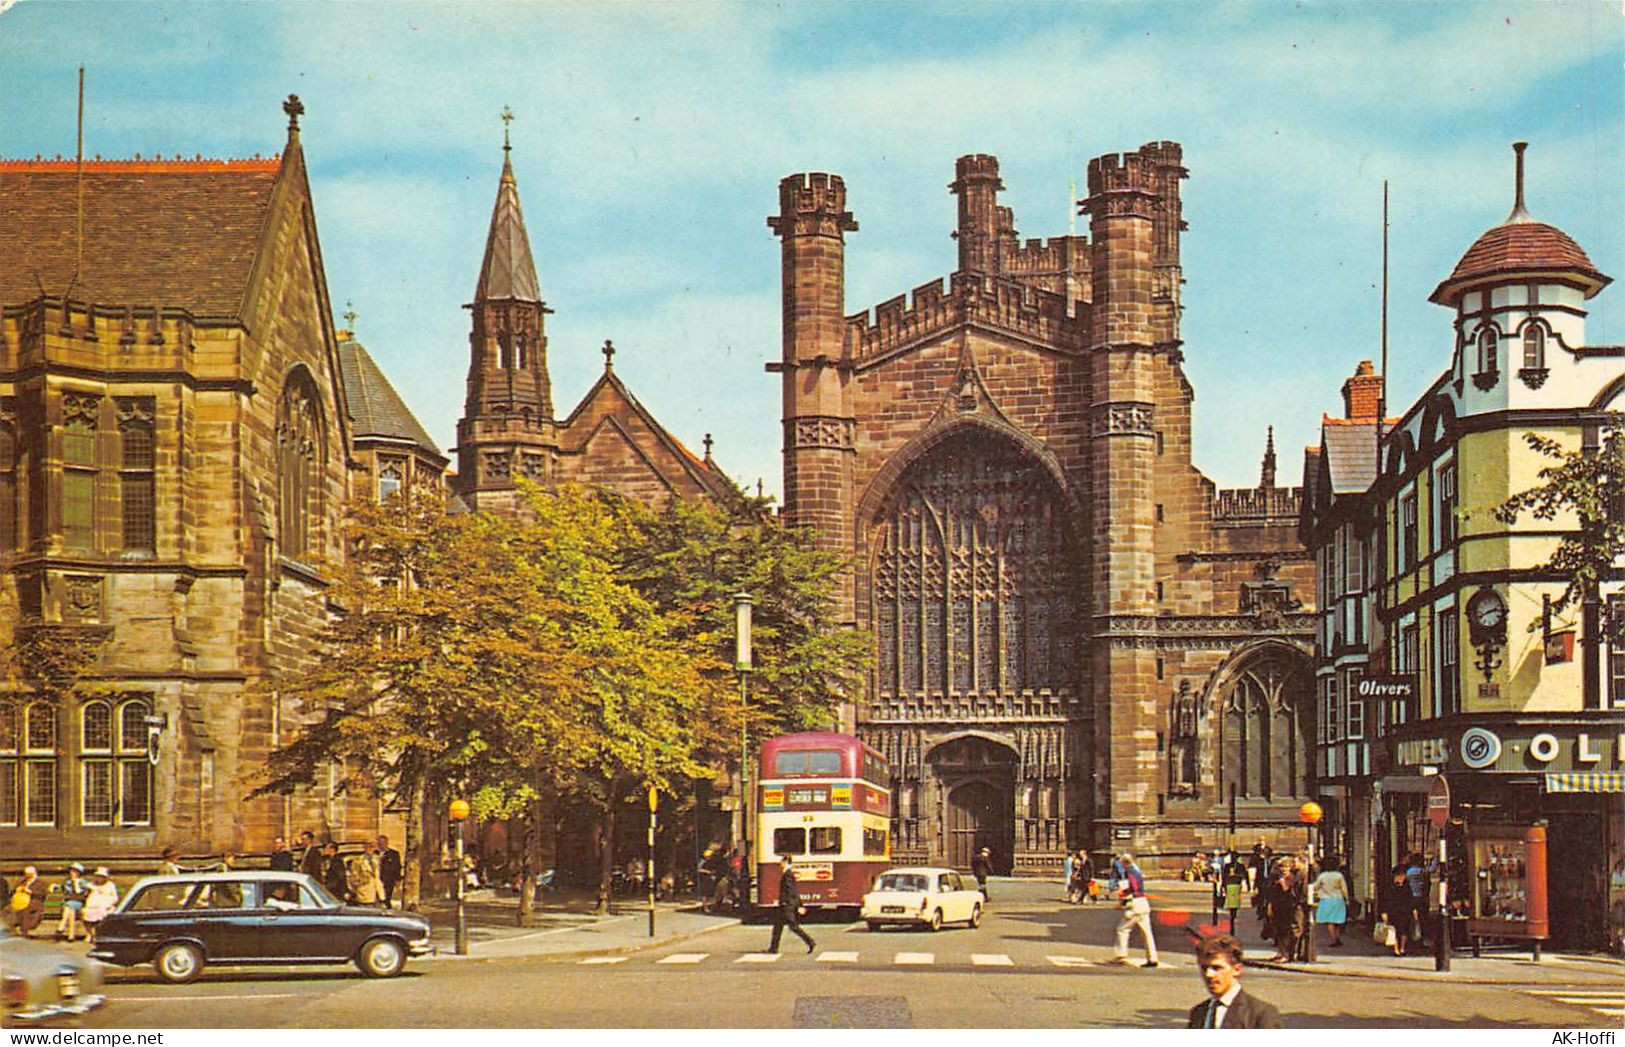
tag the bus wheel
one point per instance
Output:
(936, 920)
(976, 917)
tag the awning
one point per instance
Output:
(1586, 782)
(1407, 783)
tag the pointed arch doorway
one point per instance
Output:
(977, 778)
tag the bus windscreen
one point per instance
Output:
(796, 763)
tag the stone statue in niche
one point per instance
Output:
(1183, 745)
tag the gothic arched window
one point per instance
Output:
(1265, 728)
(300, 454)
(972, 591)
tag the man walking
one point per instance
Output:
(788, 913)
(981, 867)
(389, 869)
(1218, 958)
(1136, 913)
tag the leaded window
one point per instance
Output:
(115, 776)
(136, 430)
(299, 458)
(972, 591)
(80, 418)
(1265, 728)
(8, 474)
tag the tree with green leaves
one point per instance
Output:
(1588, 487)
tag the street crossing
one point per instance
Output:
(1609, 1003)
(875, 958)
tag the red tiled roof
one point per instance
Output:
(1519, 246)
(180, 233)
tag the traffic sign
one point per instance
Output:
(1439, 802)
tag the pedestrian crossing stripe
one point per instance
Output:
(1563, 994)
(683, 957)
(1070, 961)
(759, 957)
(983, 959)
(904, 959)
(605, 959)
(837, 957)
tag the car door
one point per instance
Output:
(965, 900)
(224, 919)
(294, 925)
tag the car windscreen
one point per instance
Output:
(902, 882)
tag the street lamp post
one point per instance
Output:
(649, 873)
(1310, 814)
(742, 662)
(459, 815)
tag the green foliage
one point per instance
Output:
(1591, 487)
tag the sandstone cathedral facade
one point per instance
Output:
(1080, 641)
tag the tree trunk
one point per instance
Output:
(529, 863)
(606, 855)
(412, 874)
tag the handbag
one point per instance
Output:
(1383, 934)
(21, 898)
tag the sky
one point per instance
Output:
(649, 139)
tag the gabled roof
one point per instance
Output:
(176, 233)
(1350, 452)
(376, 409)
(703, 471)
(508, 271)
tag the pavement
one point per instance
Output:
(1361, 957)
(564, 927)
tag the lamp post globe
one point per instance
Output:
(1310, 813)
(459, 810)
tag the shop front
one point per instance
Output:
(1510, 774)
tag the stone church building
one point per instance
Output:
(181, 428)
(1080, 641)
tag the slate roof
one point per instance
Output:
(376, 409)
(178, 233)
(1350, 450)
(508, 271)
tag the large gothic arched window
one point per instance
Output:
(1265, 728)
(299, 461)
(971, 581)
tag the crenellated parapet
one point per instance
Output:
(968, 297)
(1257, 506)
(64, 330)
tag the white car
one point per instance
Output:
(923, 895)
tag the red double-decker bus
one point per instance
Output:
(825, 800)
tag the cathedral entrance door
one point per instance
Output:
(978, 816)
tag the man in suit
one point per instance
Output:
(389, 869)
(281, 857)
(788, 913)
(1218, 958)
(312, 862)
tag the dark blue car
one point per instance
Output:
(180, 923)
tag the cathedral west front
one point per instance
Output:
(1079, 640)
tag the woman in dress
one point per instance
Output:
(1332, 910)
(101, 899)
(1396, 904)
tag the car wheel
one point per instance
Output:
(381, 958)
(936, 920)
(976, 917)
(178, 962)
(874, 925)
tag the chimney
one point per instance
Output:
(1362, 394)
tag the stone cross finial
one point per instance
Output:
(507, 118)
(349, 318)
(609, 354)
(295, 109)
(708, 447)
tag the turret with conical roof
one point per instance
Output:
(507, 428)
(1519, 295)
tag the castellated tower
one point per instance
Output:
(816, 368)
(1122, 205)
(986, 231)
(507, 429)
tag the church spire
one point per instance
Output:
(508, 270)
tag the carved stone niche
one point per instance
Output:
(1184, 746)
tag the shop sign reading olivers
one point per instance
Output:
(1547, 748)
